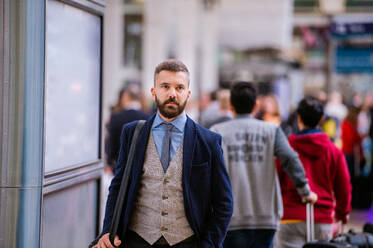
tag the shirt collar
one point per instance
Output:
(179, 122)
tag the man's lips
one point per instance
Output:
(172, 102)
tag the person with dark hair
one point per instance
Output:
(130, 101)
(310, 111)
(328, 176)
(250, 147)
(179, 193)
(243, 97)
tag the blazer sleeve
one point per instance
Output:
(117, 179)
(222, 200)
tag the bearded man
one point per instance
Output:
(179, 192)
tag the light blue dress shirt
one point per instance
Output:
(177, 133)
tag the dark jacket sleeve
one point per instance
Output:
(222, 200)
(116, 181)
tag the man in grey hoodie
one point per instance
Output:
(250, 147)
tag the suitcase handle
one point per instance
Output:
(310, 222)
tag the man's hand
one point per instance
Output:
(104, 242)
(311, 198)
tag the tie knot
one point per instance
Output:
(168, 126)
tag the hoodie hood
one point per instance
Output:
(310, 145)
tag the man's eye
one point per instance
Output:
(165, 86)
(180, 88)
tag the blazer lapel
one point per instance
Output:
(188, 149)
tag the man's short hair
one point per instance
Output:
(310, 111)
(172, 65)
(243, 97)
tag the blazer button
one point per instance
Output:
(164, 228)
(164, 197)
(164, 213)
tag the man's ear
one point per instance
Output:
(153, 93)
(300, 122)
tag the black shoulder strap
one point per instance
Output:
(124, 184)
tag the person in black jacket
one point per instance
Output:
(131, 112)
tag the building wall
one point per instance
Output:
(51, 106)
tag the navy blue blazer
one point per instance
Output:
(207, 191)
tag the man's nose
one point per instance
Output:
(172, 92)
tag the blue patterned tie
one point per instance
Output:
(166, 146)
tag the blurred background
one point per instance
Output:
(70, 68)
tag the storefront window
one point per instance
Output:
(72, 110)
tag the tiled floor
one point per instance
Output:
(358, 218)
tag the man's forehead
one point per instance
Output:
(165, 76)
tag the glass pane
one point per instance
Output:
(73, 43)
(70, 216)
(133, 40)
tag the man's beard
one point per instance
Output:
(170, 111)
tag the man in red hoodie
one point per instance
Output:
(328, 176)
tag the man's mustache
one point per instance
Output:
(171, 100)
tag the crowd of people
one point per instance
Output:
(347, 122)
(242, 175)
